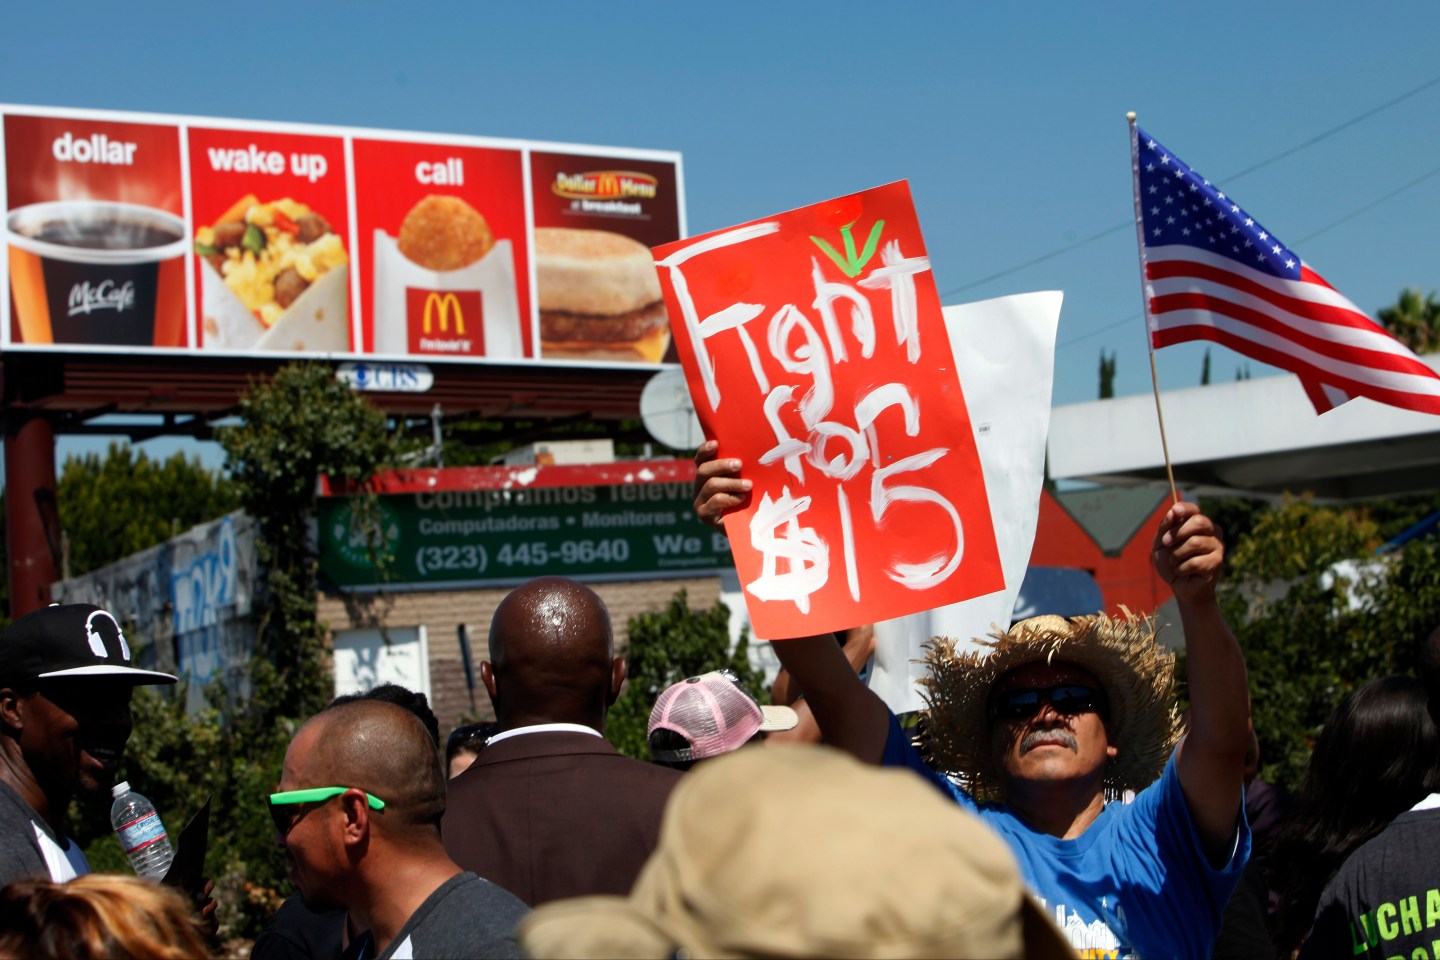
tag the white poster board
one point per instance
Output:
(364, 660)
(1005, 355)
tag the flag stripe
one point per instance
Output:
(1314, 360)
(1323, 303)
(1310, 276)
(1357, 348)
(1283, 357)
(1319, 395)
(1307, 319)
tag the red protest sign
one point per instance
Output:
(815, 351)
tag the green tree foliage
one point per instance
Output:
(667, 646)
(1310, 632)
(114, 505)
(1414, 320)
(302, 424)
(296, 427)
(123, 502)
(1107, 375)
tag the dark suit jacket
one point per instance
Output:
(554, 815)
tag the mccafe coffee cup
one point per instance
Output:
(96, 272)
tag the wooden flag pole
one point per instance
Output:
(1145, 300)
(1160, 416)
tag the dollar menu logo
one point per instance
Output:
(605, 185)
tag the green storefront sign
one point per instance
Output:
(493, 536)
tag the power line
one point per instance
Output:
(1127, 225)
(1130, 224)
(1095, 333)
(1434, 171)
(1371, 205)
(1336, 129)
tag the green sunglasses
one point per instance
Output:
(288, 807)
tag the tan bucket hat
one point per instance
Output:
(1121, 653)
(791, 851)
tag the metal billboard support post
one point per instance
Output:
(32, 519)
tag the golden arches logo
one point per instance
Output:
(441, 306)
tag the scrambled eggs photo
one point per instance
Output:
(269, 253)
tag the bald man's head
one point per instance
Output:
(552, 656)
(383, 749)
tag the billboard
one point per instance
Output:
(191, 235)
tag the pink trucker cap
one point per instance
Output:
(714, 715)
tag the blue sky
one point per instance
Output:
(1008, 119)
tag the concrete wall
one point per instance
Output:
(185, 604)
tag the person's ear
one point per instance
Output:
(1112, 751)
(487, 677)
(356, 828)
(12, 713)
(617, 679)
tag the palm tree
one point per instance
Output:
(1414, 321)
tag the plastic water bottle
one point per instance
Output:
(141, 834)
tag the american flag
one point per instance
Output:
(1213, 272)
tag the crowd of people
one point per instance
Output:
(1055, 803)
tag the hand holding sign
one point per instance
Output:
(815, 350)
(719, 488)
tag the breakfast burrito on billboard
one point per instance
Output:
(445, 285)
(275, 276)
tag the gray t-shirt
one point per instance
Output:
(29, 848)
(1384, 901)
(465, 917)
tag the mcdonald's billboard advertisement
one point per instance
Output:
(173, 234)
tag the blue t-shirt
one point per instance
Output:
(1136, 883)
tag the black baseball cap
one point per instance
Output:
(69, 640)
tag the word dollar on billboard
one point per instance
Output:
(815, 351)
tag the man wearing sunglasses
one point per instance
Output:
(358, 814)
(66, 677)
(1057, 715)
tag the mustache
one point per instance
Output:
(1038, 736)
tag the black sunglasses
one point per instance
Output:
(1067, 699)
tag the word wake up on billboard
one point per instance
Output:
(815, 351)
(192, 234)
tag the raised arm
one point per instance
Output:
(850, 715)
(858, 647)
(1188, 554)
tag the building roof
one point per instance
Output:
(1112, 516)
(1256, 437)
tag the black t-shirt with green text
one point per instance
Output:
(1385, 899)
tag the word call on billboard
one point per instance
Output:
(190, 234)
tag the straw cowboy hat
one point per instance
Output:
(1120, 653)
